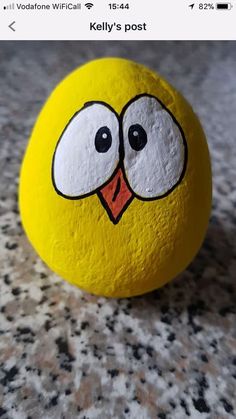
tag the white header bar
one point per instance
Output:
(107, 20)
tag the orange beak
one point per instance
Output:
(116, 196)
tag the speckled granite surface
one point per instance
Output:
(168, 354)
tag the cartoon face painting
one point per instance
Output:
(141, 153)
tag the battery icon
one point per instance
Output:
(224, 6)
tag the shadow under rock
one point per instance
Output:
(208, 285)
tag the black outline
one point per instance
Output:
(117, 190)
(120, 164)
(72, 198)
(108, 210)
(184, 142)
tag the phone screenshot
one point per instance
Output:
(117, 209)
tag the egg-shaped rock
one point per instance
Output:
(115, 186)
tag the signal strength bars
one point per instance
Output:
(9, 6)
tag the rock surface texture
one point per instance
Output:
(170, 354)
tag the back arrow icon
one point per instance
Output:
(11, 26)
(191, 5)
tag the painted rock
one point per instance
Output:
(115, 186)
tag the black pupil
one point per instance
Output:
(103, 140)
(137, 137)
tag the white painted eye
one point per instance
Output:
(88, 151)
(155, 149)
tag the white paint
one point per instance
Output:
(78, 168)
(157, 168)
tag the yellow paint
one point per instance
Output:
(154, 241)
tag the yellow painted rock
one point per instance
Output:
(115, 186)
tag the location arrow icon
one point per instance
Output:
(191, 5)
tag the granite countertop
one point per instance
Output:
(169, 354)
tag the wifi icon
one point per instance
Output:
(89, 5)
